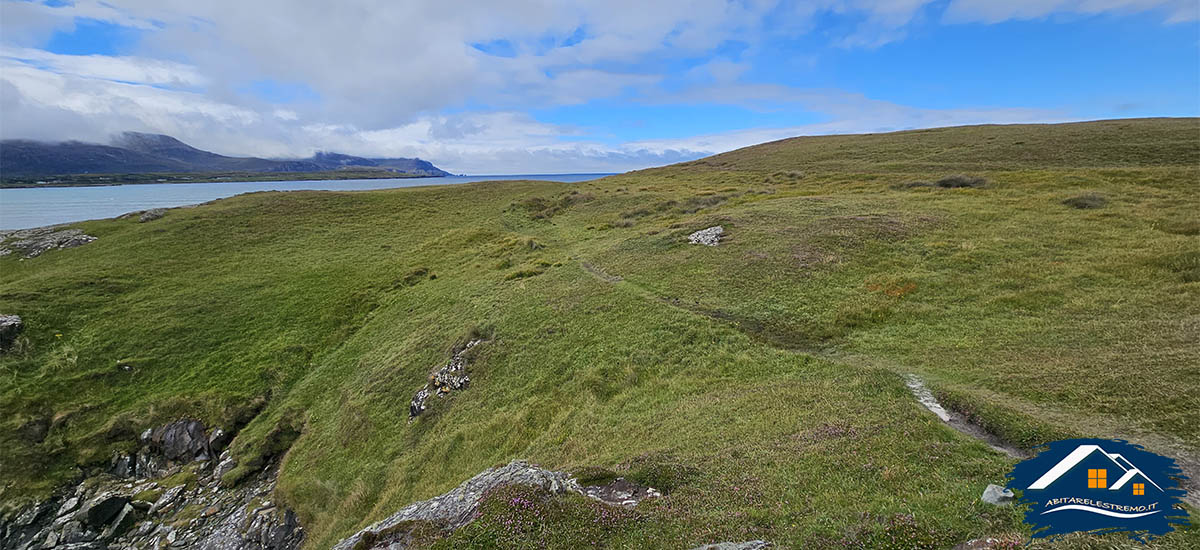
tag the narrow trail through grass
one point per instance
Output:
(768, 369)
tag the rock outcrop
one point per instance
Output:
(457, 507)
(182, 440)
(708, 237)
(151, 215)
(31, 243)
(167, 495)
(10, 327)
(144, 216)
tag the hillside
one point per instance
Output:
(136, 153)
(1044, 281)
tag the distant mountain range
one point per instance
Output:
(135, 152)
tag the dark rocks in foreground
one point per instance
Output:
(167, 495)
(10, 327)
(182, 440)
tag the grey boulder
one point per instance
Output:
(997, 495)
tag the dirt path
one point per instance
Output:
(1097, 425)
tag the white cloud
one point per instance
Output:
(471, 142)
(987, 11)
(384, 73)
(41, 103)
(138, 70)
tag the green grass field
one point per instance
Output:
(759, 381)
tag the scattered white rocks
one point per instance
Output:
(997, 495)
(620, 492)
(452, 376)
(708, 237)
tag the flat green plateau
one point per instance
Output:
(760, 381)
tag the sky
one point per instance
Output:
(557, 86)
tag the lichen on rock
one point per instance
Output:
(708, 237)
(31, 243)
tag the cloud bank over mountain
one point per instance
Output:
(506, 86)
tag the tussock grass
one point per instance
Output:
(1086, 201)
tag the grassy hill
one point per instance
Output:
(759, 382)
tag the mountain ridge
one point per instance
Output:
(137, 152)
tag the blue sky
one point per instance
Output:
(505, 86)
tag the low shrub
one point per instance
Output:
(1181, 227)
(661, 472)
(522, 274)
(1086, 201)
(960, 181)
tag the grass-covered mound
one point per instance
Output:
(756, 382)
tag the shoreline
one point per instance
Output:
(45, 205)
(109, 180)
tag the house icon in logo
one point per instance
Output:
(1099, 485)
(1096, 464)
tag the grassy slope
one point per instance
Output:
(767, 366)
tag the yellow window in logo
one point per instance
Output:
(1139, 488)
(1097, 479)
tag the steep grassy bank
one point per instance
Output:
(758, 379)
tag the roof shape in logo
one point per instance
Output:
(1078, 455)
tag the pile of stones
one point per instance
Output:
(451, 376)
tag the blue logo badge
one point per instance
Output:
(1099, 486)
